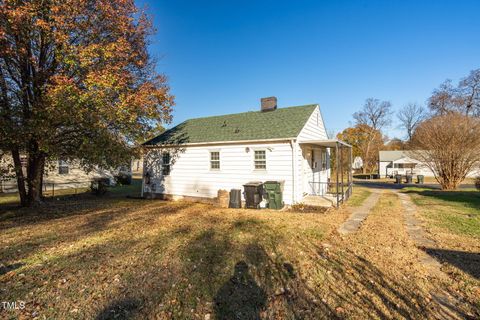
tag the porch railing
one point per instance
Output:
(321, 188)
(344, 192)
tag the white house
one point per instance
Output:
(357, 163)
(401, 162)
(396, 162)
(200, 156)
(59, 174)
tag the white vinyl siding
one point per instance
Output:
(313, 130)
(75, 178)
(62, 167)
(191, 174)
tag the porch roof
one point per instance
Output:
(329, 143)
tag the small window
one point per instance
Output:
(62, 167)
(166, 164)
(260, 160)
(215, 160)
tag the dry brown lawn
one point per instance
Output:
(90, 258)
(452, 220)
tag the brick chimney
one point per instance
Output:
(268, 104)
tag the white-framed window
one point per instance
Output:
(63, 167)
(215, 160)
(260, 159)
(166, 159)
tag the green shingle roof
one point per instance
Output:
(278, 124)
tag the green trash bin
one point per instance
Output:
(274, 194)
(420, 179)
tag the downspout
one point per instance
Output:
(144, 156)
(294, 153)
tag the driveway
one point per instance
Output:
(391, 185)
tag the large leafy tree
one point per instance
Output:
(76, 81)
(366, 142)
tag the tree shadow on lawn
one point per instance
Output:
(75, 226)
(469, 262)
(332, 285)
(101, 209)
(252, 278)
(9, 267)
(18, 216)
(241, 266)
(361, 285)
(467, 198)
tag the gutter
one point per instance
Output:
(217, 142)
(143, 175)
(294, 162)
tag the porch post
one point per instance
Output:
(336, 165)
(341, 166)
(350, 174)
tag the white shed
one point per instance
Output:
(200, 156)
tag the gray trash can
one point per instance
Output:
(398, 179)
(408, 178)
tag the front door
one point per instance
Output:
(307, 172)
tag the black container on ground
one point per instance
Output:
(235, 198)
(253, 194)
(398, 178)
(408, 178)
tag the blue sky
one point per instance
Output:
(223, 56)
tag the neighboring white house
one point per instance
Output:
(137, 165)
(60, 174)
(201, 156)
(357, 163)
(401, 162)
(396, 162)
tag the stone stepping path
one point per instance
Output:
(359, 214)
(417, 233)
(413, 225)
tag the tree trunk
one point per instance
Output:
(20, 177)
(36, 163)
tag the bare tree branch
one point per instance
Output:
(410, 116)
(449, 145)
